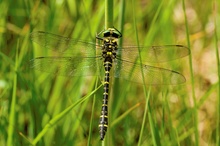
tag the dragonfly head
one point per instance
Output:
(112, 32)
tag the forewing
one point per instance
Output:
(152, 75)
(153, 54)
(64, 45)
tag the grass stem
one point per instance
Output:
(218, 67)
(13, 104)
(108, 14)
(192, 79)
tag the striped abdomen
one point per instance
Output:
(103, 123)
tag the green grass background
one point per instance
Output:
(37, 108)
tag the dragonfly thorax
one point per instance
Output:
(110, 44)
(109, 48)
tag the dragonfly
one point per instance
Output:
(74, 57)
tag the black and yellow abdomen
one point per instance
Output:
(103, 123)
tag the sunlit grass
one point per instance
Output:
(167, 115)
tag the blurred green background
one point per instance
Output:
(186, 114)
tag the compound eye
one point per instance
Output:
(115, 35)
(106, 34)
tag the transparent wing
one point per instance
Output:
(67, 66)
(83, 60)
(152, 75)
(63, 45)
(66, 45)
(154, 54)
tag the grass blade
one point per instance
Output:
(53, 121)
(192, 79)
(218, 67)
(109, 14)
(13, 103)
